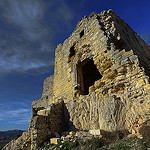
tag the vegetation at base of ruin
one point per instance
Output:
(99, 144)
(85, 130)
(93, 144)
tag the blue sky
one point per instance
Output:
(29, 33)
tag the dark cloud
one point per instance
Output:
(27, 29)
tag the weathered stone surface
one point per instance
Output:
(55, 140)
(45, 125)
(41, 127)
(100, 82)
(119, 99)
(95, 132)
(39, 106)
(65, 139)
(47, 94)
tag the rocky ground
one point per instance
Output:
(83, 140)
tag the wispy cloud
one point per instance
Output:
(11, 113)
(26, 36)
(14, 114)
(25, 15)
(15, 117)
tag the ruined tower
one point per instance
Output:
(100, 81)
(104, 68)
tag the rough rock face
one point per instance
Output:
(45, 125)
(101, 81)
(99, 67)
(47, 95)
(41, 128)
(48, 87)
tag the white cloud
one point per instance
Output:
(14, 115)
(17, 115)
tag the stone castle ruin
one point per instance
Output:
(100, 82)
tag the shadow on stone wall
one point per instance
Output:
(145, 132)
(67, 124)
(114, 135)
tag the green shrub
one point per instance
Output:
(86, 130)
(122, 147)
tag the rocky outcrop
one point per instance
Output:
(41, 127)
(39, 106)
(46, 124)
(100, 82)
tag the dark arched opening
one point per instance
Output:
(87, 75)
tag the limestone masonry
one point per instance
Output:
(100, 82)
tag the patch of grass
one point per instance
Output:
(122, 146)
(73, 145)
(126, 144)
(94, 143)
(86, 130)
(61, 146)
(45, 146)
(99, 144)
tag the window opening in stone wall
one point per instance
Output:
(81, 33)
(72, 51)
(87, 75)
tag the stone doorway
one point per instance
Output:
(87, 75)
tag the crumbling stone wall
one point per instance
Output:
(41, 128)
(48, 87)
(45, 125)
(123, 91)
(38, 106)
